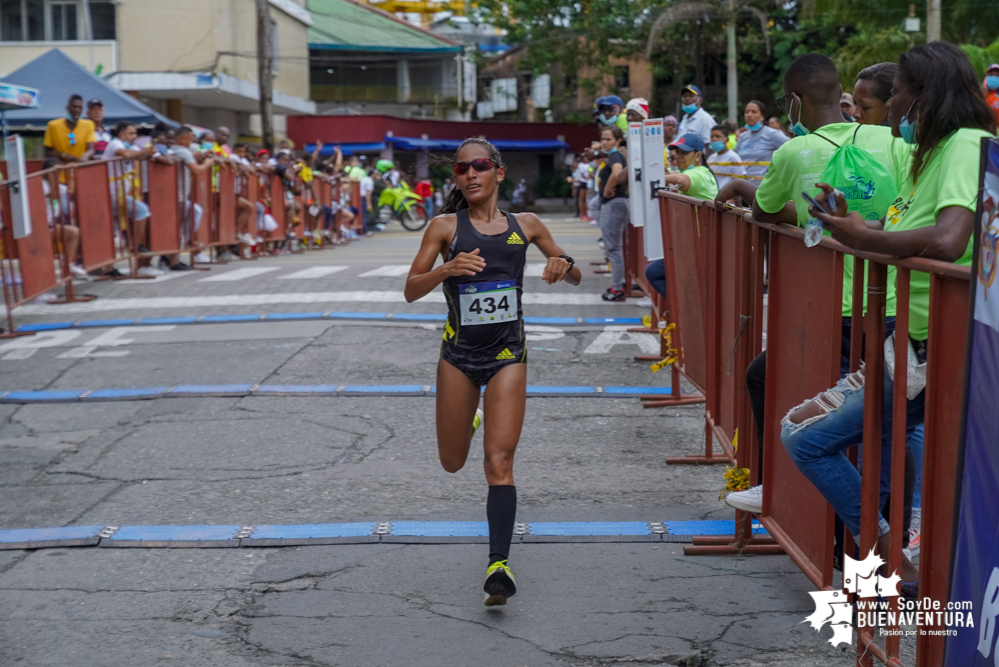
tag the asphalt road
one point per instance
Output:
(301, 460)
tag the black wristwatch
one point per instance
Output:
(571, 261)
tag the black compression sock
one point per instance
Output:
(501, 511)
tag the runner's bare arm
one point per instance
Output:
(423, 277)
(557, 268)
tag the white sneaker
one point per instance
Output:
(202, 258)
(644, 302)
(750, 500)
(77, 271)
(149, 271)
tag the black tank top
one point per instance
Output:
(485, 311)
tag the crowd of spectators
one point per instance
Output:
(919, 122)
(80, 138)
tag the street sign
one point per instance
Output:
(653, 175)
(20, 213)
(635, 183)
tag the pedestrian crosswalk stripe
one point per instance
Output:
(238, 274)
(313, 272)
(387, 271)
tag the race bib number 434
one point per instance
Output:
(488, 303)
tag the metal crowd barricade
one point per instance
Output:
(38, 263)
(804, 331)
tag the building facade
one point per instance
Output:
(194, 61)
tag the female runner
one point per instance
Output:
(484, 251)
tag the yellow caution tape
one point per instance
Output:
(671, 354)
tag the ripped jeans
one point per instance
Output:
(818, 445)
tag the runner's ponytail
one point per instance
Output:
(455, 201)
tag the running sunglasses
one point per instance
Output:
(480, 164)
(72, 139)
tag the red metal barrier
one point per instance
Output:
(89, 184)
(276, 193)
(225, 233)
(804, 334)
(166, 210)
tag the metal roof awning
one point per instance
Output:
(445, 145)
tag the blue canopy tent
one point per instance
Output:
(57, 76)
(449, 145)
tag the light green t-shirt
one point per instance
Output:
(949, 178)
(703, 184)
(797, 166)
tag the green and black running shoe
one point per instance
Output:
(499, 584)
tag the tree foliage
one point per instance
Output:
(565, 38)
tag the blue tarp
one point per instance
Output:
(57, 76)
(347, 149)
(413, 144)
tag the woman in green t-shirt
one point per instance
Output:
(695, 180)
(937, 107)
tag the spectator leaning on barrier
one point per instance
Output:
(182, 151)
(122, 175)
(612, 182)
(731, 168)
(871, 93)
(759, 141)
(56, 211)
(95, 114)
(70, 139)
(937, 107)
(694, 180)
(991, 87)
(221, 146)
(812, 92)
(695, 119)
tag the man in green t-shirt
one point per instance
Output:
(811, 97)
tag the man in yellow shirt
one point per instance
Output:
(70, 139)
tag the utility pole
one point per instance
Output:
(265, 73)
(932, 21)
(733, 73)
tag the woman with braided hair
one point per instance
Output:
(484, 251)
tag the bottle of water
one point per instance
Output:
(813, 228)
(813, 232)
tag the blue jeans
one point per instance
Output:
(818, 445)
(655, 273)
(915, 442)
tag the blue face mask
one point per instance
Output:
(613, 150)
(906, 128)
(992, 82)
(688, 108)
(608, 120)
(717, 146)
(799, 129)
(753, 128)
